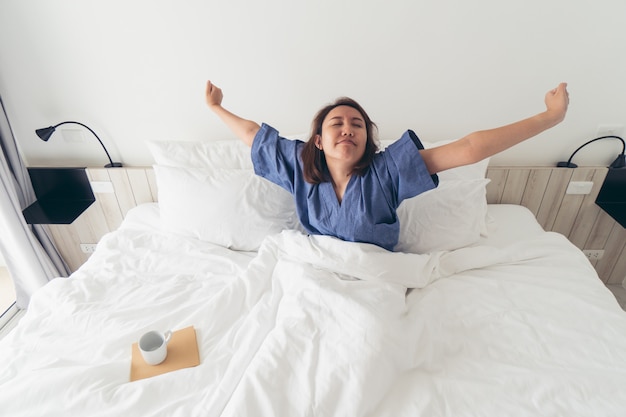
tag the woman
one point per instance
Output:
(343, 187)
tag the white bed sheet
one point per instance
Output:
(518, 325)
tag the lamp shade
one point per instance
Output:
(45, 133)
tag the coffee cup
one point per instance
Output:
(153, 346)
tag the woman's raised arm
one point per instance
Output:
(244, 129)
(485, 143)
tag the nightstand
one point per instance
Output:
(63, 194)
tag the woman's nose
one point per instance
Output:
(347, 131)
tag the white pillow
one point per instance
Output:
(232, 154)
(229, 207)
(449, 217)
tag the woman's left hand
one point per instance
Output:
(557, 101)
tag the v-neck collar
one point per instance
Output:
(331, 195)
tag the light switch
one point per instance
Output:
(102, 187)
(73, 135)
(579, 187)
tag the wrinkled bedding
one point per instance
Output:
(313, 326)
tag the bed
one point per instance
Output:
(481, 313)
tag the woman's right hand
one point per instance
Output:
(243, 128)
(214, 95)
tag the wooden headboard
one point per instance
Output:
(541, 189)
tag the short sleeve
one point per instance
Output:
(406, 168)
(275, 158)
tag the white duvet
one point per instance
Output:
(312, 326)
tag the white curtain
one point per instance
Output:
(29, 252)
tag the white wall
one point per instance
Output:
(135, 69)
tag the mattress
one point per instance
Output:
(516, 324)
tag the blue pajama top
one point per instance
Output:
(367, 212)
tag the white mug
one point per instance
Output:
(153, 346)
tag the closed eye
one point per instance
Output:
(357, 121)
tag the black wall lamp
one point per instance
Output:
(620, 161)
(45, 133)
(612, 195)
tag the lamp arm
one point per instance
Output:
(94, 133)
(593, 140)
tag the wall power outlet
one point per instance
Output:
(594, 254)
(610, 130)
(88, 247)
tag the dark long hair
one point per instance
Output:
(313, 159)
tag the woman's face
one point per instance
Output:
(344, 136)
